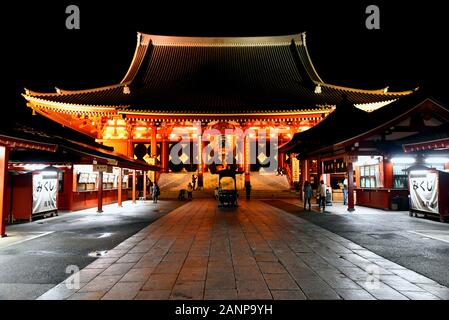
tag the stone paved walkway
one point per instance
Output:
(199, 251)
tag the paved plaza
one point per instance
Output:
(34, 256)
(257, 251)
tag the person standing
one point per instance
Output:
(345, 191)
(155, 192)
(216, 193)
(189, 191)
(248, 191)
(308, 193)
(149, 186)
(322, 195)
(140, 184)
(193, 181)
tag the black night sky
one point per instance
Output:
(408, 51)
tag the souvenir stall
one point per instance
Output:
(35, 194)
(429, 192)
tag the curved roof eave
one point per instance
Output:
(71, 106)
(60, 91)
(382, 91)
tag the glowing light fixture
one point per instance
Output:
(402, 160)
(419, 172)
(32, 167)
(440, 160)
(367, 160)
(49, 173)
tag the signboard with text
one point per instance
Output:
(102, 168)
(424, 191)
(295, 169)
(45, 189)
(335, 166)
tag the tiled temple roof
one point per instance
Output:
(218, 75)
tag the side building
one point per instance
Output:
(386, 155)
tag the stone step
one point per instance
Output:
(256, 194)
(263, 182)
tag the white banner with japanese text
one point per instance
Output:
(45, 189)
(424, 191)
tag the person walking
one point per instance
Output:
(155, 192)
(308, 193)
(345, 191)
(194, 181)
(189, 191)
(322, 195)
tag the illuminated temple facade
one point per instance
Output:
(191, 84)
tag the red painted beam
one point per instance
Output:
(100, 192)
(4, 158)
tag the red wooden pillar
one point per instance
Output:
(119, 187)
(204, 160)
(164, 154)
(281, 155)
(387, 173)
(100, 192)
(350, 186)
(134, 187)
(247, 160)
(68, 186)
(304, 171)
(130, 149)
(319, 169)
(144, 185)
(4, 158)
(200, 161)
(281, 158)
(153, 145)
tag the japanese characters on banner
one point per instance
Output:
(45, 189)
(424, 191)
(295, 169)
